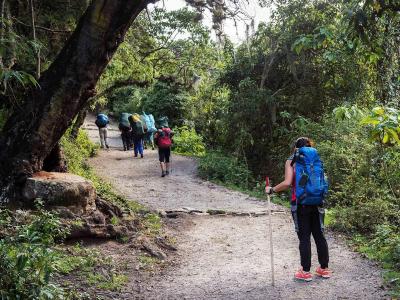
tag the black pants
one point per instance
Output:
(309, 220)
(164, 154)
(126, 139)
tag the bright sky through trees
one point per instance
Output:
(238, 34)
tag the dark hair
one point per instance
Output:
(303, 142)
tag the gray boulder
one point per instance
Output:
(61, 189)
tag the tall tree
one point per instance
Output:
(35, 128)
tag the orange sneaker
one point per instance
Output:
(324, 273)
(304, 276)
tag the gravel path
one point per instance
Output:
(225, 257)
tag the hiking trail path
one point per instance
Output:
(225, 257)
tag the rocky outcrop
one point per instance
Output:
(61, 189)
(75, 201)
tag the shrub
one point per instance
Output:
(77, 151)
(224, 168)
(364, 217)
(386, 244)
(28, 259)
(188, 142)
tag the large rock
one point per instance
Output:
(61, 189)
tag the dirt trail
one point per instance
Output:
(226, 257)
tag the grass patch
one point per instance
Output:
(152, 224)
(147, 262)
(89, 266)
(115, 282)
(75, 258)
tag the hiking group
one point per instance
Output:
(304, 174)
(139, 132)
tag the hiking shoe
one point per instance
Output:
(302, 275)
(166, 172)
(108, 147)
(324, 273)
(163, 174)
(141, 155)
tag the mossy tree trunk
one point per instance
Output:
(32, 132)
(80, 119)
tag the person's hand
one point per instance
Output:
(269, 190)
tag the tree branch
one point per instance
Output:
(41, 27)
(122, 83)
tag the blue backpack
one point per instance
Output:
(311, 185)
(101, 120)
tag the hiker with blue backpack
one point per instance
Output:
(305, 174)
(150, 129)
(137, 134)
(101, 123)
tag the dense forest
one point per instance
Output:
(329, 70)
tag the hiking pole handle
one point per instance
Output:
(270, 233)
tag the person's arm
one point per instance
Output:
(286, 183)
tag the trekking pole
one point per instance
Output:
(270, 232)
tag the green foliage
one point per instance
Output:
(151, 224)
(384, 246)
(384, 125)
(76, 258)
(90, 266)
(365, 217)
(346, 112)
(217, 166)
(166, 100)
(32, 262)
(127, 99)
(77, 151)
(114, 282)
(28, 260)
(188, 142)
(207, 109)
(147, 262)
(8, 77)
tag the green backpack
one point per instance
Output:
(138, 128)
